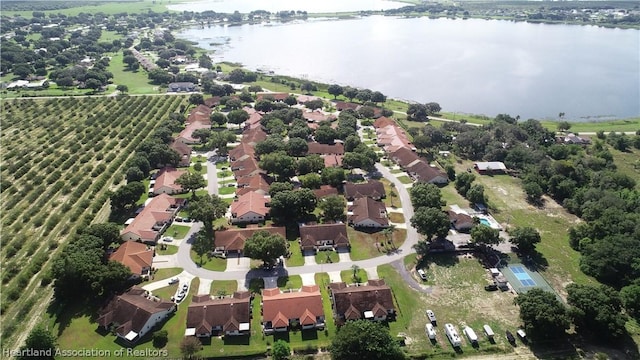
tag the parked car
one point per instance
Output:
(173, 280)
(510, 337)
(432, 317)
(185, 287)
(422, 274)
(167, 239)
(522, 335)
(492, 287)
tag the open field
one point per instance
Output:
(365, 245)
(226, 287)
(109, 8)
(60, 169)
(209, 262)
(177, 231)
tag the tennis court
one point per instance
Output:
(523, 279)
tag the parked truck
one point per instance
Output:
(471, 335)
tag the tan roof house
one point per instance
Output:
(209, 316)
(134, 314)
(156, 216)
(297, 309)
(136, 256)
(249, 208)
(184, 151)
(165, 182)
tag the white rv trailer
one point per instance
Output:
(471, 335)
(452, 334)
(488, 331)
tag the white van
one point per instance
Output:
(488, 331)
(471, 335)
(431, 332)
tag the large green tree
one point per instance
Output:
(207, 209)
(237, 117)
(265, 246)
(463, 182)
(596, 310)
(127, 196)
(191, 182)
(109, 233)
(333, 208)
(40, 340)
(280, 350)
(294, 205)
(525, 238)
(279, 164)
(430, 221)
(363, 339)
(543, 315)
(485, 235)
(426, 195)
(333, 176)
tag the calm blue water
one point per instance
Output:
(474, 66)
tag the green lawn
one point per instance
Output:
(396, 217)
(327, 257)
(290, 282)
(169, 250)
(226, 190)
(363, 244)
(405, 179)
(210, 263)
(136, 81)
(347, 276)
(296, 258)
(396, 171)
(188, 195)
(166, 292)
(630, 124)
(220, 165)
(389, 200)
(166, 273)
(177, 324)
(177, 231)
(109, 8)
(224, 174)
(226, 287)
(203, 169)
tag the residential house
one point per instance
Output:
(317, 116)
(304, 98)
(421, 171)
(165, 182)
(342, 105)
(490, 167)
(271, 95)
(259, 183)
(186, 135)
(181, 87)
(136, 256)
(367, 212)
(332, 160)
(373, 301)
(324, 191)
(325, 149)
(184, 151)
(392, 138)
(249, 208)
(246, 168)
(297, 309)
(134, 314)
(212, 101)
(572, 138)
(373, 189)
(460, 221)
(383, 122)
(229, 316)
(253, 121)
(254, 136)
(404, 157)
(201, 113)
(323, 237)
(232, 240)
(154, 218)
(241, 152)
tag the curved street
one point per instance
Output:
(191, 270)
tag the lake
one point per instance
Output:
(473, 66)
(311, 6)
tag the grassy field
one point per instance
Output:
(396, 217)
(405, 179)
(459, 282)
(109, 8)
(136, 81)
(166, 273)
(628, 163)
(296, 258)
(290, 282)
(365, 245)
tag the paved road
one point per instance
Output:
(408, 279)
(212, 175)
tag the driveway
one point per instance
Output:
(165, 261)
(212, 174)
(309, 258)
(204, 287)
(308, 279)
(344, 255)
(410, 280)
(238, 263)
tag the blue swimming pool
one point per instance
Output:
(485, 222)
(522, 275)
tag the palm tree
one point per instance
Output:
(356, 277)
(392, 193)
(388, 233)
